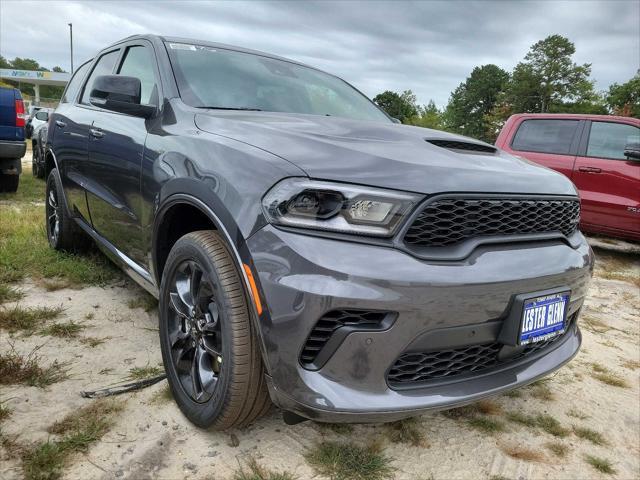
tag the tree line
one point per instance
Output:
(546, 80)
(46, 91)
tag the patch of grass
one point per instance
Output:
(631, 364)
(543, 421)
(522, 419)
(53, 284)
(339, 428)
(141, 373)
(550, 425)
(93, 341)
(488, 407)
(144, 301)
(577, 414)
(26, 320)
(522, 453)
(258, 472)
(589, 434)
(601, 464)
(9, 294)
(349, 461)
(542, 392)
(486, 425)
(77, 431)
(5, 412)
(25, 252)
(468, 411)
(31, 189)
(594, 325)
(406, 431)
(63, 330)
(15, 369)
(557, 448)
(514, 394)
(606, 376)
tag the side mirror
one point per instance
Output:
(632, 151)
(120, 94)
(395, 120)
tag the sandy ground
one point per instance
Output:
(151, 439)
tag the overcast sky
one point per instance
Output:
(426, 46)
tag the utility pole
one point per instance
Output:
(71, 40)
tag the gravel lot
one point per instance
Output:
(581, 422)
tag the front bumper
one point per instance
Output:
(302, 277)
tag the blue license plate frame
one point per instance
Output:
(543, 317)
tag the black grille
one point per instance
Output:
(421, 367)
(332, 321)
(448, 221)
(467, 146)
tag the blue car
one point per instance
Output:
(12, 144)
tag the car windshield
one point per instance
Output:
(226, 79)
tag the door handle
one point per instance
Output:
(590, 169)
(96, 133)
(60, 124)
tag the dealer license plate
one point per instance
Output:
(543, 318)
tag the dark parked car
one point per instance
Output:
(12, 145)
(599, 153)
(304, 248)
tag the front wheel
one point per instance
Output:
(209, 347)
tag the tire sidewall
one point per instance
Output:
(201, 414)
(52, 183)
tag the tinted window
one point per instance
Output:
(545, 136)
(74, 84)
(139, 63)
(103, 67)
(607, 140)
(226, 79)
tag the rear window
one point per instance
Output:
(545, 136)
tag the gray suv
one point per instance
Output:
(305, 249)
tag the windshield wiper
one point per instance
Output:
(233, 108)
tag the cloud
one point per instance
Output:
(428, 47)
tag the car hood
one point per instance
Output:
(383, 155)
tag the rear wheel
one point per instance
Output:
(62, 231)
(35, 163)
(9, 183)
(209, 347)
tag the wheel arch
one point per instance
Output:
(183, 213)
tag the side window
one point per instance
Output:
(74, 84)
(545, 136)
(607, 140)
(103, 67)
(138, 62)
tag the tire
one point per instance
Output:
(230, 389)
(9, 183)
(35, 169)
(67, 236)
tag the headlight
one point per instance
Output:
(337, 207)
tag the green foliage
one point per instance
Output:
(46, 91)
(348, 461)
(428, 116)
(473, 99)
(625, 99)
(399, 105)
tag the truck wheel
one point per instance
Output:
(209, 346)
(35, 162)
(62, 231)
(9, 183)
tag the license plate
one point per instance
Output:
(543, 318)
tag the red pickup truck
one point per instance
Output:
(599, 153)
